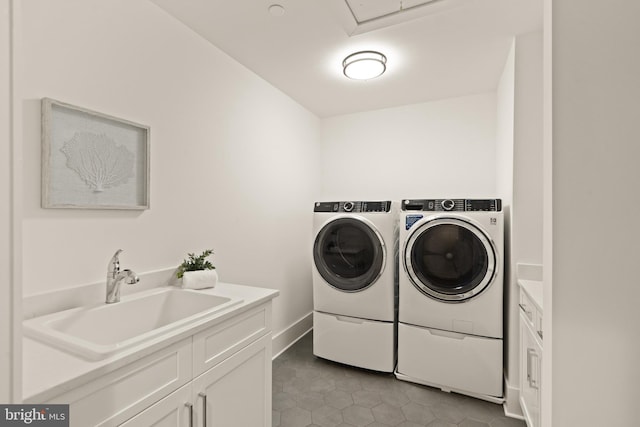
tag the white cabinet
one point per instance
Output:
(220, 377)
(530, 358)
(234, 393)
(237, 392)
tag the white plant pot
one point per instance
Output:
(201, 279)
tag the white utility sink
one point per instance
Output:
(100, 331)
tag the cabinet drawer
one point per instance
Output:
(172, 411)
(117, 396)
(215, 344)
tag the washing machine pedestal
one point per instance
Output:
(451, 361)
(353, 341)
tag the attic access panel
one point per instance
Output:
(362, 16)
(366, 10)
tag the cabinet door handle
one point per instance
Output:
(204, 408)
(533, 382)
(536, 374)
(529, 366)
(349, 319)
(190, 406)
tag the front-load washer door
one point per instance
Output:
(449, 259)
(349, 253)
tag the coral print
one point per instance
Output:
(98, 161)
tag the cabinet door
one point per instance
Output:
(172, 411)
(530, 373)
(236, 392)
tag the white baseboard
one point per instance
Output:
(511, 403)
(287, 337)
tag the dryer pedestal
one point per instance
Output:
(357, 342)
(466, 364)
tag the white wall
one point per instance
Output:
(520, 180)
(11, 206)
(596, 232)
(233, 160)
(526, 212)
(6, 224)
(505, 107)
(437, 149)
(547, 215)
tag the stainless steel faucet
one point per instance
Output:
(115, 278)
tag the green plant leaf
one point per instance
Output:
(195, 263)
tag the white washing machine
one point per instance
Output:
(450, 319)
(355, 283)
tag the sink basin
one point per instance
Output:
(100, 331)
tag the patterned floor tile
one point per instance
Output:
(473, 423)
(366, 398)
(313, 392)
(358, 415)
(295, 417)
(326, 416)
(418, 413)
(388, 414)
(338, 399)
(506, 422)
(448, 412)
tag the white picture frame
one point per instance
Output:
(92, 160)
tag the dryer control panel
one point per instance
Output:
(453, 205)
(376, 206)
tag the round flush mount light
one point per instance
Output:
(364, 65)
(276, 10)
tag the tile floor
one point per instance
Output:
(308, 391)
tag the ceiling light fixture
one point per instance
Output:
(364, 65)
(276, 10)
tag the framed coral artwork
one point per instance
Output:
(91, 160)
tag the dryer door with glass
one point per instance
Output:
(449, 259)
(349, 253)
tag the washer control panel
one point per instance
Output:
(453, 205)
(353, 206)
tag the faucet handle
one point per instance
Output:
(131, 278)
(114, 264)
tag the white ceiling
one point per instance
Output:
(435, 49)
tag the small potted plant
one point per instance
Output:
(197, 272)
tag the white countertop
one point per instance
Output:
(48, 372)
(533, 288)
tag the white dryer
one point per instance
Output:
(450, 321)
(354, 283)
